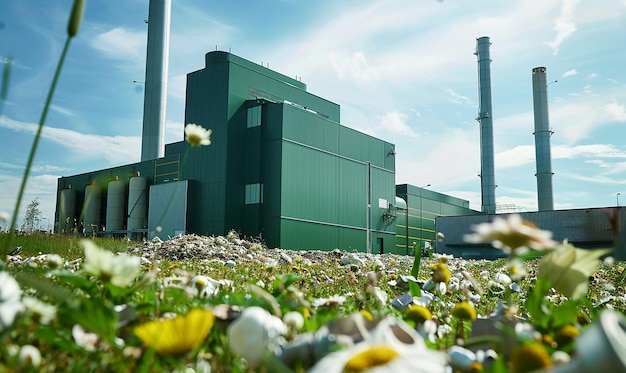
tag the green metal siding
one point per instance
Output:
(424, 206)
(324, 184)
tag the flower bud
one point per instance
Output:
(76, 17)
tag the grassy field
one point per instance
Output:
(321, 290)
(66, 246)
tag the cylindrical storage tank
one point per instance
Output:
(67, 210)
(116, 206)
(137, 203)
(91, 208)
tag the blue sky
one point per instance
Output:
(401, 70)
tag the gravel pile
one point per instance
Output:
(233, 250)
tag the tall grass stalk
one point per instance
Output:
(4, 90)
(72, 28)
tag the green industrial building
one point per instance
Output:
(280, 166)
(415, 224)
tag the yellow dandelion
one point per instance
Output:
(179, 335)
(529, 357)
(464, 311)
(370, 358)
(367, 315)
(418, 313)
(441, 273)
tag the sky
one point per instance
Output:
(402, 70)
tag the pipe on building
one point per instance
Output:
(542, 140)
(155, 94)
(485, 120)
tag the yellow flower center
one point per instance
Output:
(370, 358)
(528, 358)
(464, 311)
(566, 334)
(194, 139)
(441, 273)
(418, 314)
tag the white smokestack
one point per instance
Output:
(155, 94)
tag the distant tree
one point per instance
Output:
(32, 217)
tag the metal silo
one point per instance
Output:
(155, 91)
(137, 204)
(67, 215)
(116, 206)
(542, 140)
(485, 120)
(91, 208)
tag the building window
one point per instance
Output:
(254, 194)
(254, 116)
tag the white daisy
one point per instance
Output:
(255, 332)
(120, 270)
(10, 303)
(512, 235)
(196, 135)
(43, 312)
(392, 346)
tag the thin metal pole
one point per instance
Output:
(421, 217)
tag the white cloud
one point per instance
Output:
(459, 99)
(595, 179)
(564, 24)
(525, 154)
(591, 150)
(615, 112)
(395, 122)
(352, 66)
(592, 76)
(61, 110)
(174, 131)
(14, 63)
(517, 156)
(434, 159)
(575, 119)
(569, 73)
(115, 149)
(120, 44)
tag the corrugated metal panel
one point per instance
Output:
(168, 209)
(585, 228)
(425, 206)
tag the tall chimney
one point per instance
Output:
(155, 93)
(542, 140)
(485, 120)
